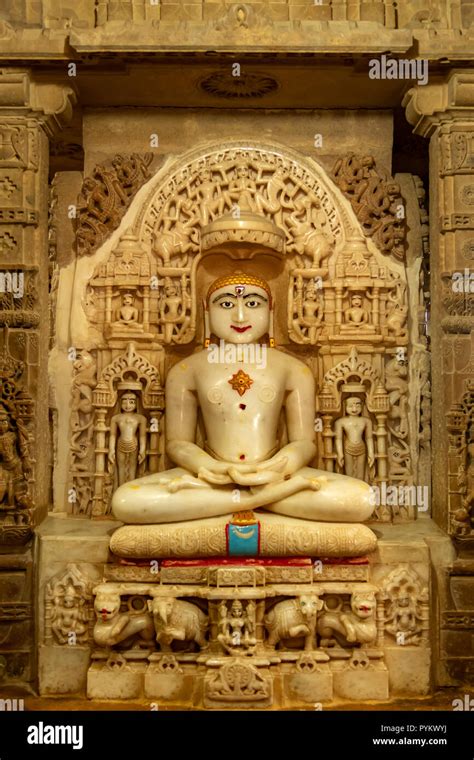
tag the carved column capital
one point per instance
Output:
(429, 106)
(22, 95)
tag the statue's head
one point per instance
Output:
(170, 289)
(205, 174)
(242, 170)
(4, 420)
(128, 299)
(128, 402)
(311, 292)
(353, 406)
(356, 300)
(236, 608)
(239, 308)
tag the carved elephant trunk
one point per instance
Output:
(178, 620)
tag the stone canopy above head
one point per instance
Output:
(242, 236)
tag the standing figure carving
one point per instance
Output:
(126, 450)
(353, 452)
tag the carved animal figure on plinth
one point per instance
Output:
(130, 628)
(176, 620)
(349, 627)
(293, 618)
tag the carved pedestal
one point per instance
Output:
(260, 634)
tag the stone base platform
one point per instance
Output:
(308, 667)
(273, 535)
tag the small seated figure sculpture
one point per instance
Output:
(127, 315)
(237, 627)
(128, 452)
(240, 404)
(351, 450)
(356, 316)
(70, 618)
(403, 619)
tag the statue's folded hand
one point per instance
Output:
(256, 478)
(177, 484)
(275, 464)
(214, 478)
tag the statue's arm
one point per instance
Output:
(112, 439)
(338, 430)
(142, 439)
(299, 407)
(181, 421)
(369, 439)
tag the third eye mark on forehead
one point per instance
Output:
(232, 295)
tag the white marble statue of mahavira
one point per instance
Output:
(242, 466)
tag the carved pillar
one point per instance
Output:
(444, 112)
(30, 113)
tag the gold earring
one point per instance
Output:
(207, 330)
(271, 341)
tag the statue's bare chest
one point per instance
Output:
(233, 388)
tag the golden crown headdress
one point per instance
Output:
(239, 278)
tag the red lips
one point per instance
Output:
(241, 329)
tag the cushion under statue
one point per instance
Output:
(205, 506)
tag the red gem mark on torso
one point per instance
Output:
(241, 382)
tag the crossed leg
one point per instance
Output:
(175, 495)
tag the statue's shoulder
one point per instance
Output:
(188, 365)
(289, 361)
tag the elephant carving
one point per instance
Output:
(177, 620)
(293, 618)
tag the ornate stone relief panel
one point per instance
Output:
(346, 313)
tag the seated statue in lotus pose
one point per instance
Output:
(242, 466)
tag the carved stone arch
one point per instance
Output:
(292, 191)
(355, 375)
(301, 176)
(135, 368)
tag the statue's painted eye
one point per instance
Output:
(252, 304)
(227, 304)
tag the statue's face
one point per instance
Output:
(356, 301)
(239, 313)
(353, 407)
(3, 424)
(127, 300)
(129, 403)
